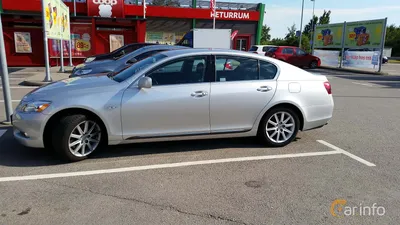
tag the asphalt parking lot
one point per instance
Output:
(355, 158)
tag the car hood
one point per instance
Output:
(97, 63)
(76, 85)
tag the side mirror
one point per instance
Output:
(145, 82)
(131, 61)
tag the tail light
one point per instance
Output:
(328, 87)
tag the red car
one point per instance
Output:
(294, 56)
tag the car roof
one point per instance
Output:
(286, 46)
(190, 51)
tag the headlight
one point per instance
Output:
(83, 72)
(90, 59)
(37, 106)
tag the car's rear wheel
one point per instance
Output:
(313, 64)
(279, 127)
(76, 137)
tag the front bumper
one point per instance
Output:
(28, 128)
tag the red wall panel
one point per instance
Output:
(36, 58)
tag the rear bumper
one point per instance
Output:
(317, 116)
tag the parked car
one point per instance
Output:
(118, 52)
(260, 49)
(294, 56)
(114, 65)
(174, 95)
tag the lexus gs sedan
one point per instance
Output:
(175, 95)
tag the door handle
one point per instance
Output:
(199, 94)
(264, 88)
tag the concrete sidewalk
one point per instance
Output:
(34, 76)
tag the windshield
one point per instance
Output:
(253, 48)
(129, 71)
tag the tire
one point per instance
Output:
(67, 131)
(270, 137)
(313, 64)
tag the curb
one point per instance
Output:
(354, 71)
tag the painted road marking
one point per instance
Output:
(2, 132)
(162, 166)
(11, 101)
(346, 153)
(365, 84)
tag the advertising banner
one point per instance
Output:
(22, 42)
(116, 41)
(105, 8)
(80, 39)
(169, 38)
(364, 34)
(361, 59)
(328, 57)
(328, 36)
(56, 19)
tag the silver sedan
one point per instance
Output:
(175, 95)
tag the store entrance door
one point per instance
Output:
(242, 43)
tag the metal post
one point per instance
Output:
(382, 44)
(214, 10)
(46, 47)
(61, 56)
(312, 28)
(144, 9)
(70, 52)
(343, 37)
(4, 76)
(74, 7)
(301, 23)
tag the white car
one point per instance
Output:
(260, 49)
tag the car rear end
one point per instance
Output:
(272, 52)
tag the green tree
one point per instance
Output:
(308, 28)
(265, 36)
(325, 18)
(393, 39)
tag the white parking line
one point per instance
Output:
(161, 166)
(11, 101)
(346, 153)
(2, 132)
(365, 84)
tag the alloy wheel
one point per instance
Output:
(280, 127)
(84, 138)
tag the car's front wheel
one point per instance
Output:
(76, 137)
(279, 127)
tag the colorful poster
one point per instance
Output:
(328, 36)
(116, 41)
(80, 39)
(168, 38)
(361, 59)
(22, 42)
(364, 34)
(154, 37)
(328, 57)
(56, 19)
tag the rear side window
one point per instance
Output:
(272, 49)
(266, 48)
(268, 70)
(232, 68)
(253, 48)
(288, 51)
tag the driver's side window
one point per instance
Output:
(300, 52)
(181, 71)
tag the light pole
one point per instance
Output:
(301, 23)
(312, 28)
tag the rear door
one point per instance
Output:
(243, 87)
(289, 55)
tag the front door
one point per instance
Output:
(240, 92)
(176, 104)
(242, 43)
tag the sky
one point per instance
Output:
(281, 14)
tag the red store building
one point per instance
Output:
(96, 25)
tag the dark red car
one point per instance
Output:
(294, 56)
